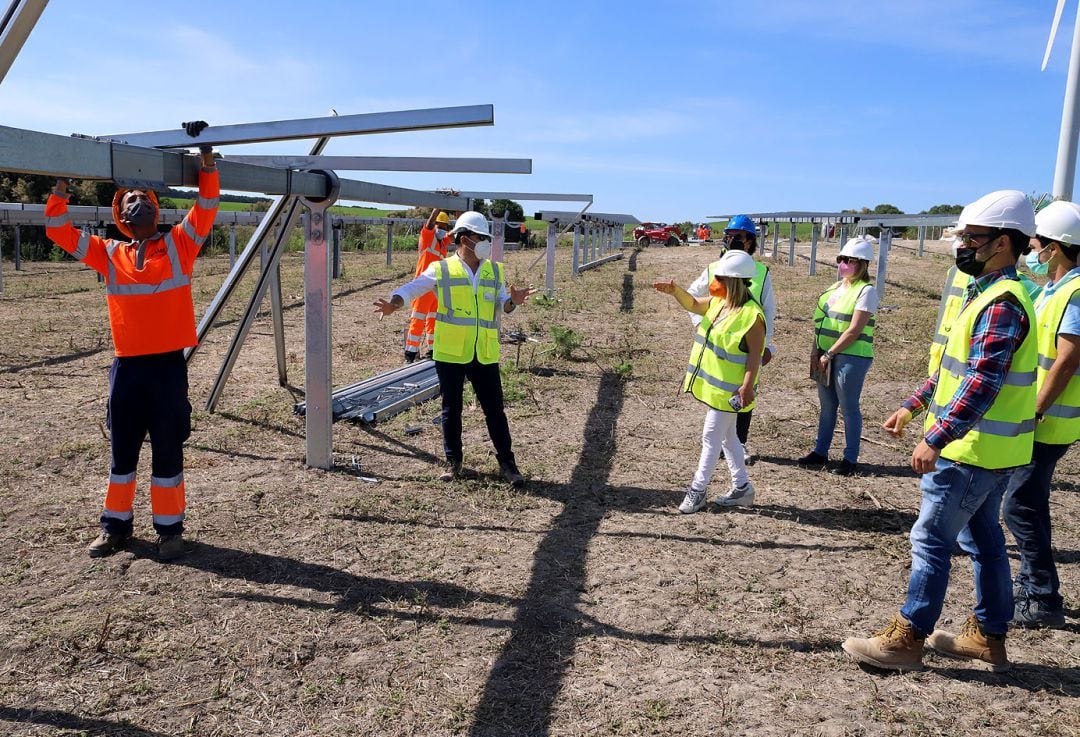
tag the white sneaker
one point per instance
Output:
(739, 496)
(693, 501)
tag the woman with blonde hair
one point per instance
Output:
(843, 352)
(723, 372)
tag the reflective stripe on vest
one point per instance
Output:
(952, 301)
(467, 321)
(832, 322)
(1002, 438)
(1061, 420)
(717, 364)
(177, 280)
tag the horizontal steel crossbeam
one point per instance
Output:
(391, 163)
(336, 125)
(32, 152)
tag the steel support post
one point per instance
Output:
(318, 387)
(257, 296)
(577, 255)
(18, 248)
(498, 237)
(549, 276)
(389, 244)
(922, 239)
(336, 230)
(814, 230)
(791, 247)
(775, 239)
(1, 260)
(277, 317)
(884, 242)
(232, 245)
(842, 233)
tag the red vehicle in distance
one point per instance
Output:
(648, 233)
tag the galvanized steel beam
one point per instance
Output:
(334, 125)
(15, 26)
(390, 163)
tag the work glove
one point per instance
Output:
(195, 127)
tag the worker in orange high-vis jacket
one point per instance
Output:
(432, 248)
(148, 291)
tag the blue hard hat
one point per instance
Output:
(741, 222)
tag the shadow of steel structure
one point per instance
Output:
(148, 160)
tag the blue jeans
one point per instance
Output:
(844, 390)
(1027, 514)
(960, 503)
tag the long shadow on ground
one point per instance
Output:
(63, 720)
(522, 686)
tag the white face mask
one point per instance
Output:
(439, 234)
(482, 249)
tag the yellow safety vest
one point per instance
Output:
(952, 300)
(830, 323)
(1061, 421)
(718, 360)
(1003, 437)
(467, 321)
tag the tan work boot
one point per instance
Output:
(897, 647)
(170, 547)
(451, 472)
(972, 644)
(107, 543)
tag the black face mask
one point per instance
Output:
(139, 213)
(967, 261)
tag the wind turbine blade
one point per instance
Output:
(1053, 32)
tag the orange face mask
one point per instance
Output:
(718, 289)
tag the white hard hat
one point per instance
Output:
(738, 264)
(473, 222)
(1006, 208)
(858, 248)
(1059, 221)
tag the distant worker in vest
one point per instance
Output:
(741, 235)
(472, 295)
(843, 351)
(432, 247)
(148, 291)
(1054, 250)
(722, 373)
(979, 428)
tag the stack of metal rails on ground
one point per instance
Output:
(384, 395)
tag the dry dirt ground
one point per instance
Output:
(315, 603)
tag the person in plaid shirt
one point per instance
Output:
(980, 405)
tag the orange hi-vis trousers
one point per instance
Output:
(422, 323)
(421, 331)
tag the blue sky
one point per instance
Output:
(671, 111)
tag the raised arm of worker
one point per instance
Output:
(425, 283)
(430, 224)
(191, 233)
(690, 303)
(90, 249)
